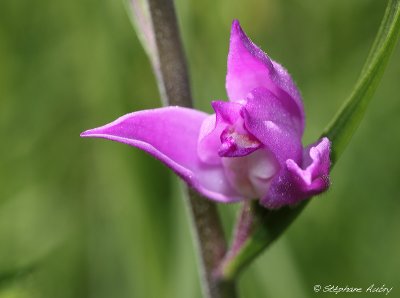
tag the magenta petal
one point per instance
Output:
(270, 122)
(209, 141)
(224, 134)
(295, 183)
(171, 134)
(313, 175)
(236, 143)
(249, 67)
(226, 113)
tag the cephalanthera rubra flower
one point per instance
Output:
(249, 149)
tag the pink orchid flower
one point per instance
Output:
(249, 149)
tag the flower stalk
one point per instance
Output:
(256, 229)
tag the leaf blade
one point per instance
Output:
(345, 122)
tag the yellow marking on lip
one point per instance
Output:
(243, 140)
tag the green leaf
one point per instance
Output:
(157, 27)
(348, 118)
(139, 13)
(262, 226)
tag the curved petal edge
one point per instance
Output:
(170, 134)
(296, 183)
(249, 67)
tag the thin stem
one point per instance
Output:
(211, 246)
(157, 25)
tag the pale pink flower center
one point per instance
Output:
(251, 175)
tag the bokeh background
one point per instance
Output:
(91, 218)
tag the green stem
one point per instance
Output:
(257, 227)
(211, 245)
(156, 23)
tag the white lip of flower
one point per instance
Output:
(251, 175)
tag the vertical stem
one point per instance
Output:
(157, 25)
(211, 246)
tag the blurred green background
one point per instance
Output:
(91, 218)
